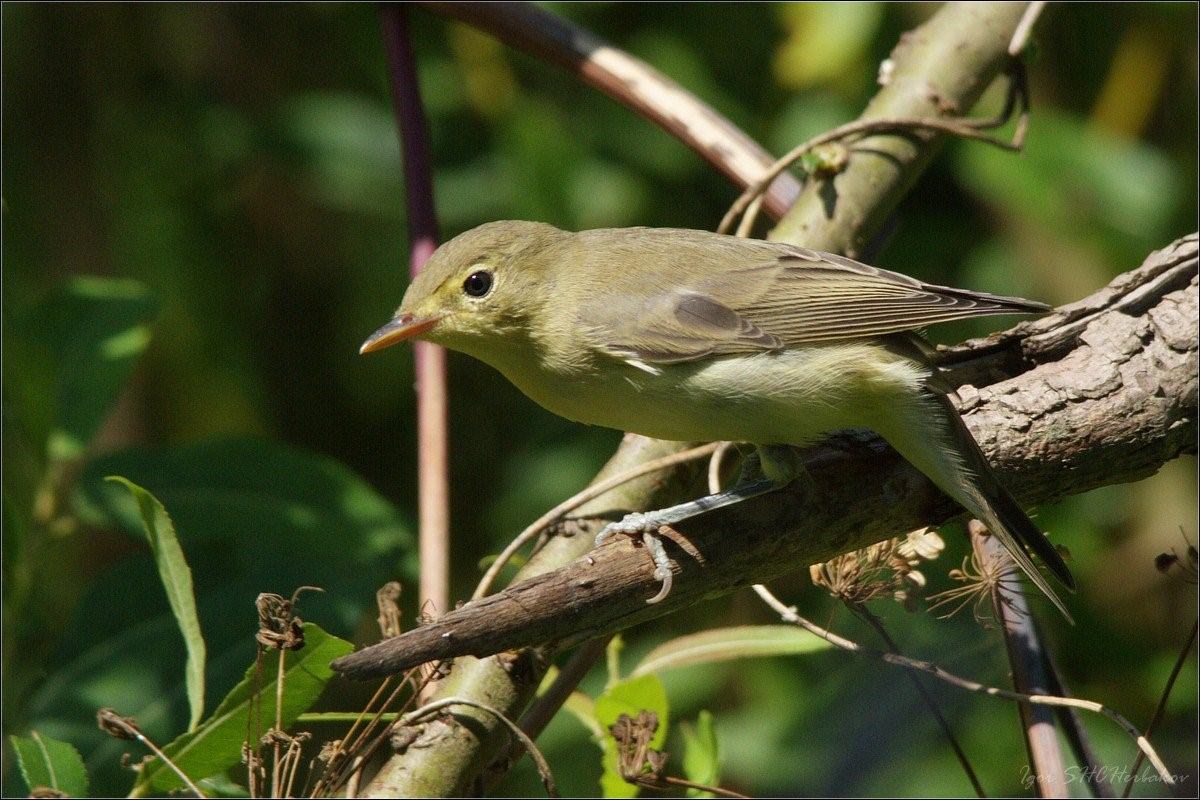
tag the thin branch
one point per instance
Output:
(965, 128)
(433, 481)
(1025, 655)
(631, 82)
(926, 697)
(1162, 706)
(790, 615)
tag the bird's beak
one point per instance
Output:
(405, 326)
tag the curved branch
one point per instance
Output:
(1114, 407)
(633, 83)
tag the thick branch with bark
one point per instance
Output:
(1104, 392)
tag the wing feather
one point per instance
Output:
(787, 297)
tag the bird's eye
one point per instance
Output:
(478, 283)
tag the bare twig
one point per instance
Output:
(928, 699)
(631, 82)
(790, 615)
(1025, 654)
(120, 727)
(433, 490)
(277, 765)
(1162, 706)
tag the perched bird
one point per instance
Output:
(694, 336)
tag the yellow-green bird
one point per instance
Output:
(693, 336)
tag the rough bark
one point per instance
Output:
(1104, 392)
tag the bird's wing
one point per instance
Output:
(795, 298)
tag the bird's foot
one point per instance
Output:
(647, 527)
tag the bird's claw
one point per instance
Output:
(647, 528)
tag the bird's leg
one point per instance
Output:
(771, 467)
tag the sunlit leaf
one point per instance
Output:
(724, 644)
(177, 581)
(49, 763)
(630, 697)
(700, 754)
(217, 744)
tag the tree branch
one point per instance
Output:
(632, 83)
(937, 70)
(1116, 405)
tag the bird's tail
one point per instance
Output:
(934, 439)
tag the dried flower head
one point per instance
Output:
(278, 625)
(887, 568)
(116, 725)
(636, 760)
(979, 583)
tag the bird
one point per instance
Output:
(689, 335)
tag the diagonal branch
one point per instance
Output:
(1109, 403)
(634, 84)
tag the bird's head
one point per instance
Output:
(479, 291)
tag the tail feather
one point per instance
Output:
(935, 440)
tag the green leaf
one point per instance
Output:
(629, 697)
(272, 500)
(95, 328)
(1072, 176)
(50, 763)
(217, 744)
(252, 515)
(700, 754)
(578, 704)
(177, 581)
(725, 644)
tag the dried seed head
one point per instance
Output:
(117, 726)
(887, 568)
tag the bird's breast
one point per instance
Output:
(789, 396)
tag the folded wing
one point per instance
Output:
(796, 298)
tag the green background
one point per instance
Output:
(238, 166)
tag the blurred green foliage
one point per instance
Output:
(203, 217)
